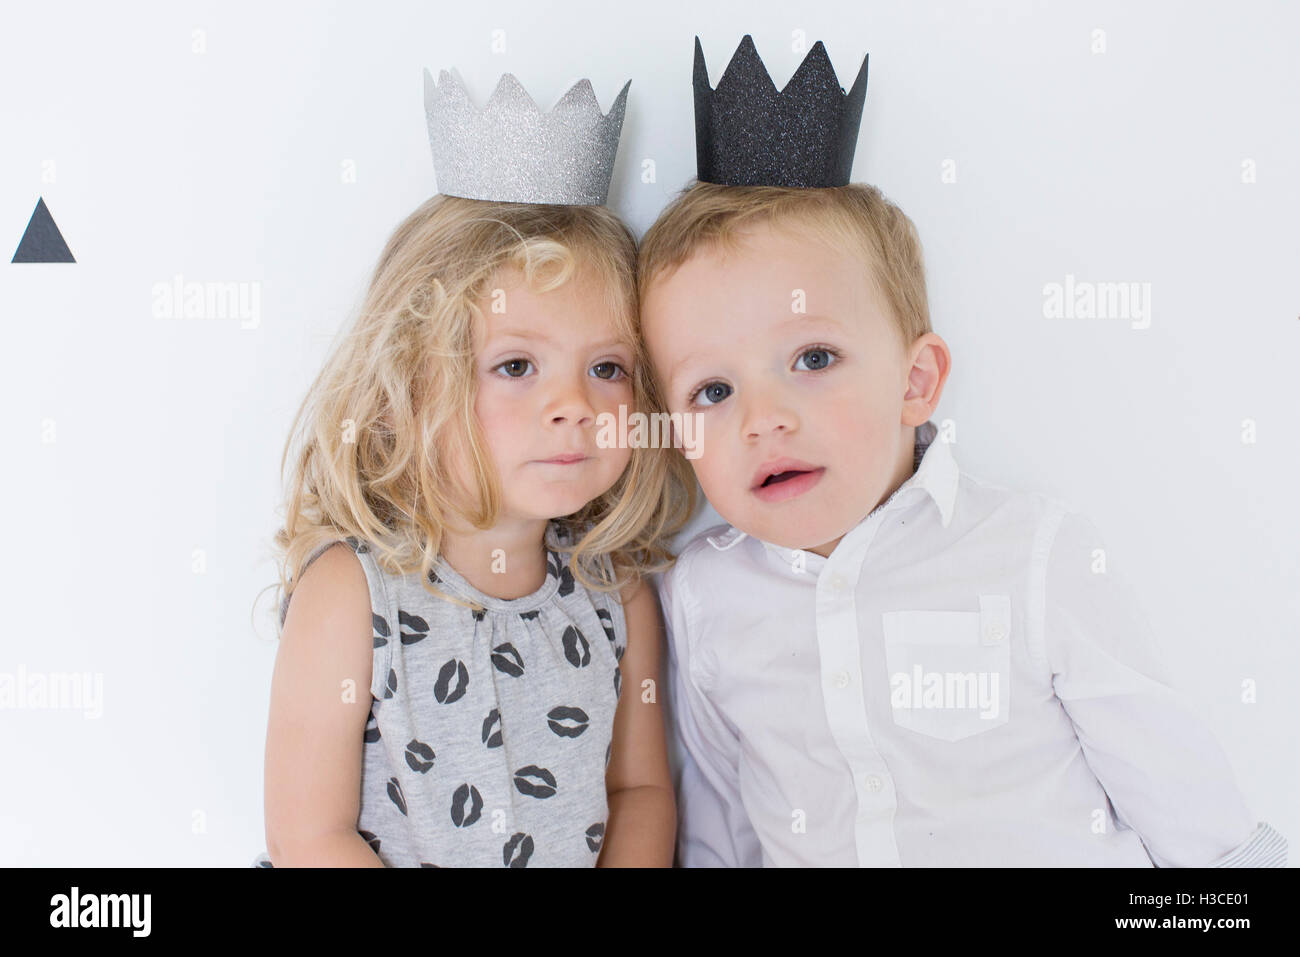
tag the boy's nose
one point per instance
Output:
(766, 413)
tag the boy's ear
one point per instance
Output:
(930, 364)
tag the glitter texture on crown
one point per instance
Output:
(747, 133)
(510, 151)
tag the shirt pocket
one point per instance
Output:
(949, 671)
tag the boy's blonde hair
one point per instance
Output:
(856, 216)
(397, 393)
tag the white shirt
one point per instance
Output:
(960, 683)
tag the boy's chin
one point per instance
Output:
(787, 534)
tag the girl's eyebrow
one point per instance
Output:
(532, 335)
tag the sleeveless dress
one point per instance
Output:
(489, 731)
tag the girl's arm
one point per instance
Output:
(642, 821)
(314, 736)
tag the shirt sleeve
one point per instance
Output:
(1165, 773)
(713, 829)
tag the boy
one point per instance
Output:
(883, 660)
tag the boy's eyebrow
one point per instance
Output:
(805, 320)
(797, 319)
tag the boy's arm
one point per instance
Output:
(1164, 771)
(713, 829)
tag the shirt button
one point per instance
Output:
(841, 679)
(873, 783)
(996, 633)
(836, 583)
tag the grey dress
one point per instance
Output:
(489, 731)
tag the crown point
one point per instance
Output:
(746, 67)
(858, 90)
(701, 70)
(430, 90)
(615, 114)
(510, 95)
(814, 73)
(577, 99)
(449, 89)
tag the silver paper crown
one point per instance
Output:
(510, 151)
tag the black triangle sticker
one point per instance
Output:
(42, 242)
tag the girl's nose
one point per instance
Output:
(571, 404)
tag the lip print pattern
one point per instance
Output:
(395, 794)
(517, 850)
(492, 729)
(609, 748)
(419, 627)
(595, 836)
(478, 613)
(528, 615)
(424, 864)
(606, 622)
(382, 631)
(419, 756)
(358, 546)
(371, 840)
(618, 681)
(372, 727)
(466, 794)
(433, 578)
(507, 660)
(390, 686)
(576, 648)
(567, 722)
(560, 571)
(443, 689)
(535, 782)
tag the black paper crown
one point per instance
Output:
(747, 133)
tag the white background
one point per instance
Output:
(225, 165)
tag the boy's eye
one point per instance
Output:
(818, 358)
(515, 367)
(714, 392)
(607, 370)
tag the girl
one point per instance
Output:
(465, 562)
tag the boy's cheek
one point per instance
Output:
(714, 475)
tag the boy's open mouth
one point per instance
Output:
(784, 481)
(776, 471)
(782, 476)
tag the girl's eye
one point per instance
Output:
(714, 392)
(818, 358)
(608, 370)
(513, 367)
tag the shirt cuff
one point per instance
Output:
(1265, 848)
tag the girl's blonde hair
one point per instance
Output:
(396, 395)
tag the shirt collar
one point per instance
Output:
(935, 474)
